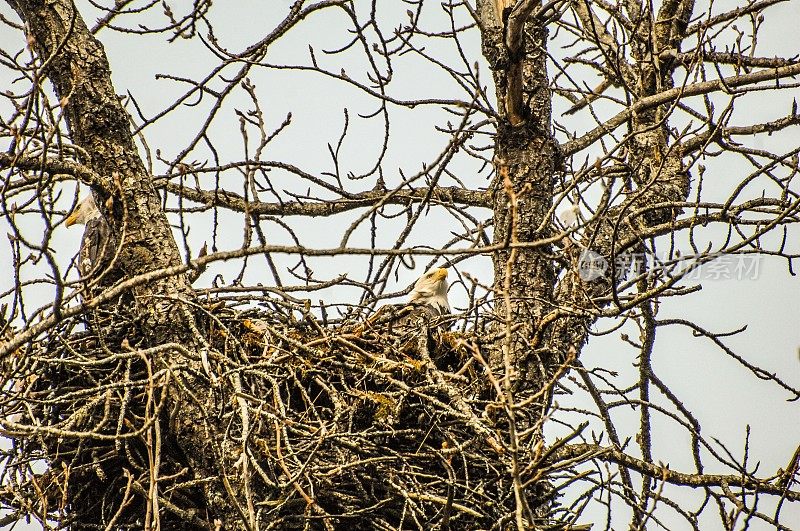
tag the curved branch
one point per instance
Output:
(661, 472)
(232, 201)
(83, 173)
(696, 89)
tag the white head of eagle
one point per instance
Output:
(431, 290)
(85, 212)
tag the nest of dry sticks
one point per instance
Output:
(392, 423)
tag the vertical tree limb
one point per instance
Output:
(74, 60)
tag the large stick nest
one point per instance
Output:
(392, 423)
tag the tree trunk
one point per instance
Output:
(525, 160)
(75, 62)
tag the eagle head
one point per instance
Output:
(431, 290)
(85, 211)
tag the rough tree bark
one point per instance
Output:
(526, 158)
(74, 60)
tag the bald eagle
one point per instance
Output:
(95, 249)
(430, 292)
(427, 302)
(416, 324)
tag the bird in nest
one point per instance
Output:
(96, 250)
(430, 292)
(426, 304)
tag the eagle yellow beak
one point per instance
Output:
(440, 274)
(72, 219)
